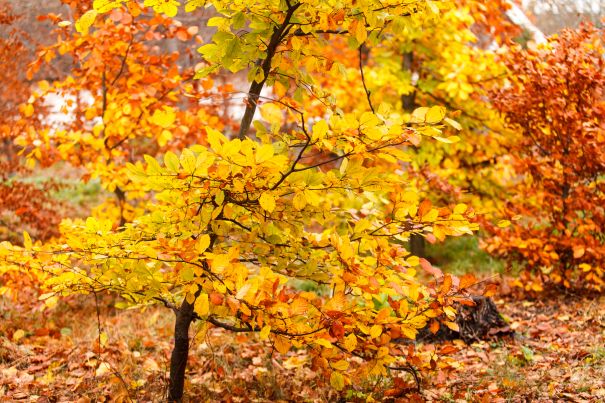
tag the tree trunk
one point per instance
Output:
(478, 322)
(180, 352)
(417, 245)
(408, 102)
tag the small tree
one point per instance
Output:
(555, 100)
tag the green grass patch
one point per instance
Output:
(461, 255)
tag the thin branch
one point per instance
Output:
(363, 78)
(300, 32)
(252, 329)
(123, 65)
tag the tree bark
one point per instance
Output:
(417, 245)
(481, 321)
(408, 102)
(180, 352)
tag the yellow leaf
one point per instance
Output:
(299, 201)
(419, 115)
(164, 117)
(86, 21)
(19, 334)
(272, 113)
(27, 241)
(294, 362)
(375, 331)
(281, 344)
(452, 325)
(202, 242)
(51, 302)
(453, 123)
(350, 342)
(28, 110)
(447, 140)
(267, 202)
(324, 343)
(220, 263)
(171, 161)
(264, 333)
(435, 114)
(164, 137)
(409, 332)
(320, 129)
(431, 215)
(503, 223)
(361, 34)
(104, 369)
(232, 147)
(215, 139)
(450, 312)
(241, 293)
(460, 208)
(103, 338)
(382, 352)
(341, 365)
(202, 305)
(188, 161)
(264, 153)
(337, 380)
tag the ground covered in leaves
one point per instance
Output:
(557, 354)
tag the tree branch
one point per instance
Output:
(362, 50)
(278, 35)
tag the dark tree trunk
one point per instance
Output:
(408, 102)
(477, 322)
(180, 352)
(417, 245)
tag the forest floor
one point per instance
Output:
(557, 354)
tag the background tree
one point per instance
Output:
(23, 205)
(554, 98)
(450, 61)
(127, 94)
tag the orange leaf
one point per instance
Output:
(490, 289)
(447, 350)
(578, 251)
(466, 281)
(447, 284)
(424, 207)
(434, 327)
(426, 265)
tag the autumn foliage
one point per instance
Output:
(264, 172)
(23, 205)
(555, 99)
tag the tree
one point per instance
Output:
(126, 95)
(23, 205)
(554, 100)
(308, 193)
(450, 61)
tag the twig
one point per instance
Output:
(363, 79)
